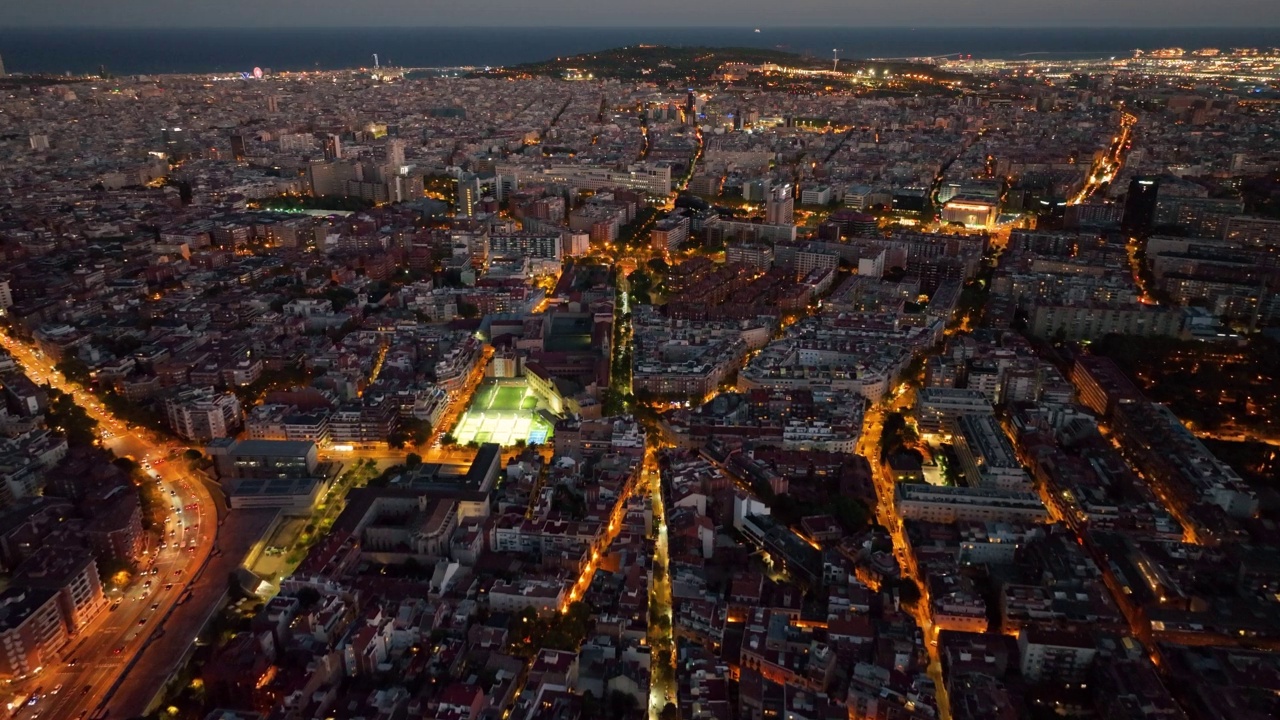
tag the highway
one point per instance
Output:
(97, 657)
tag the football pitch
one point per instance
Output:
(503, 414)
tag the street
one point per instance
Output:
(662, 683)
(97, 656)
(887, 516)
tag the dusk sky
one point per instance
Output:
(749, 13)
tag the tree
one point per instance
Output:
(412, 460)
(339, 296)
(414, 431)
(851, 513)
(622, 705)
(73, 369)
(125, 464)
(113, 571)
(468, 310)
(63, 415)
(193, 458)
(669, 712)
(908, 591)
(892, 435)
(308, 597)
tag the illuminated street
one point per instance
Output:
(889, 518)
(663, 681)
(97, 658)
(507, 358)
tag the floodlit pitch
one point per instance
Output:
(503, 414)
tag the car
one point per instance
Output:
(146, 584)
(142, 622)
(86, 689)
(172, 493)
(155, 606)
(56, 688)
(168, 586)
(118, 650)
(115, 607)
(177, 573)
(72, 662)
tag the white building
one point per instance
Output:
(943, 504)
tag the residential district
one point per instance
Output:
(613, 388)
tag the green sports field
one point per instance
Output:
(502, 414)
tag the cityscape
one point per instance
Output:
(649, 383)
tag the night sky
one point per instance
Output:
(646, 13)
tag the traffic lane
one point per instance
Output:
(73, 700)
(78, 696)
(93, 655)
(103, 664)
(109, 629)
(160, 655)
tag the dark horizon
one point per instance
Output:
(653, 13)
(56, 50)
(527, 26)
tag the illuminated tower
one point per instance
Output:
(780, 207)
(1140, 204)
(332, 148)
(468, 195)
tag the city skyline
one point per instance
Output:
(631, 378)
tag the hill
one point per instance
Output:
(654, 63)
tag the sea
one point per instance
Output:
(156, 51)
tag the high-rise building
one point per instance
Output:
(1140, 204)
(202, 414)
(545, 246)
(468, 195)
(273, 104)
(32, 630)
(395, 153)
(238, 147)
(175, 139)
(332, 148)
(5, 74)
(781, 205)
(667, 234)
(331, 178)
